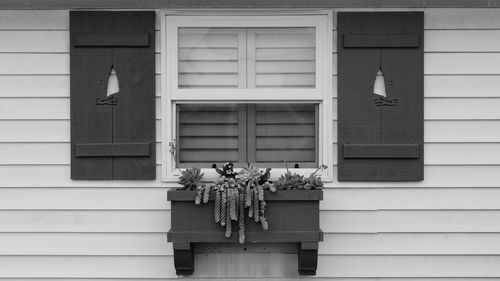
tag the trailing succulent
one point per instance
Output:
(238, 194)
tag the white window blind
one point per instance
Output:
(246, 57)
(240, 133)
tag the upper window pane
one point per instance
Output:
(247, 57)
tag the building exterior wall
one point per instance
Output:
(443, 228)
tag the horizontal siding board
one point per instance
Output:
(82, 244)
(60, 176)
(435, 18)
(267, 265)
(101, 267)
(34, 20)
(452, 86)
(100, 198)
(146, 244)
(84, 221)
(382, 221)
(394, 221)
(462, 176)
(411, 199)
(453, 41)
(103, 198)
(407, 266)
(430, 244)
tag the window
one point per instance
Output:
(247, 88)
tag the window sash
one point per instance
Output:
(274, 131)
(173, 23)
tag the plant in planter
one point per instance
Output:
(292, 212)
(295, 181)
(190, 178)
(235, 192)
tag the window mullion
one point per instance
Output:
(242, 133)
(251, 134)
(250, 58)
(242, 62)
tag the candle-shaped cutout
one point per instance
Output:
(379, 86)
(113, 86)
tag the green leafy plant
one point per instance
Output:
(190, 178)
(236, 195)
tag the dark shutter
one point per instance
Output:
(380, 138)
(112, 137)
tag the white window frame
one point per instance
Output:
(322, 94)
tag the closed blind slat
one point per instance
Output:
(285, 133)
(208, 57)
(208, 133)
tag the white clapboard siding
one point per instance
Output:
(434, 63)
(433, 198)
(85, 221)
(408, 266)
(36, 175)
(434, 153)
(421, 221)
(435, 176)
(271, 265)
(457, 108)
(411, 244)
(443, 228)
(94, 267)
(154, 198)
(85, 244)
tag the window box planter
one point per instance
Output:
(293, 216)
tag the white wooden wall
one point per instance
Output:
(444, 228)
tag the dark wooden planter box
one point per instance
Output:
(293, 216)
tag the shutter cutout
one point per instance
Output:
(112, 68)
(379, 85)
(113, 84)
(380, 138)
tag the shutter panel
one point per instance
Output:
(112, 137)
(280, 132)
(211, 134)
(380, 138)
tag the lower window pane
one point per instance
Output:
(266, 134)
